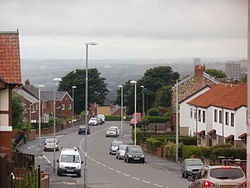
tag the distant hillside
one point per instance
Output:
(115, 71)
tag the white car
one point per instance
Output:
(102, 117)
(120, 152)
(69, 162)
(93, 121)
(111, 132)
(50, 145)
(118, 130)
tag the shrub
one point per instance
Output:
(116, 118)
(228, 152)
(222, 146)
(187, 140)
(43, 125)
(155, 119)
(196, 151)
(153, 112)
(139, 135)
(153, 144)
(170, 151)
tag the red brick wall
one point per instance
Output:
(5, 142)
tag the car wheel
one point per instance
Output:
(182, 174)
(79, 174)
(116, 157)
(58, 173)
(128, 161)
(142, 161)
(185, 175)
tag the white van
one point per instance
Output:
(69, 162)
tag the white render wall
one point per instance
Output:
(185, 120)
(240, 119)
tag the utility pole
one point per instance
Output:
(177, 124)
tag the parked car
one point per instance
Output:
(99, 120)
(114, 146)
(120, 152)
(134, 153)
(219, 176)
(69, 162)
(102, 117)
(93, 121)
(191, 167)
(115, 127)
(111, 132)
(82, 129)
(50, 144)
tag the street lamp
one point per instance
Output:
(134, 82)
(120, 86)
(86, 114)
(56, 82)
(143, 101)
(39, 111)
(73, 112)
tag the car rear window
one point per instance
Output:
(226, 173)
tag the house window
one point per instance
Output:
(227, 118)
(69, 107)
(199, 115)
(191, 112)
(220, 116)
(203, 116)
(232, 119)
(195, 114)
(215, 115)
(63, 106)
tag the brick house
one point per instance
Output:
(30, 94)
(216, 114)
(193, 83)
(10, 77)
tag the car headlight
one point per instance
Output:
(78, 167)
(188, 169)
(142, 156)
(61, 166)
(129, 155)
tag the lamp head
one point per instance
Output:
(142, 87)
(90, 43)
(120, 86)
(57, 79)
(73, 87)
(40, 86)
(133, 82)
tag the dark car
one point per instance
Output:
(82, 129)
(134, 153)
(191, 167)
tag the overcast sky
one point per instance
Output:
(128, 29)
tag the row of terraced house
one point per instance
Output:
(213, 111)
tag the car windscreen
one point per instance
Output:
(226, 173)
(82, 127)
(135, 149)
(70, 158)
(116, 143)
(93, 119)
(122, 147)
(194, 163)
(111, 130)
(50, 141)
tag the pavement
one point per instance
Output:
(32, 147)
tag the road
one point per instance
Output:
(105, 171)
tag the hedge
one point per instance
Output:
(187, 140)
(155, 119)
(139, 135)
(116, 118)
(43, 125)
(196, 151)
(153, 112)
(153, 144)
(235, 153)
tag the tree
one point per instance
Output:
(163, 96)
(97, 88)
(216, 73)
(17, 111)
(153, 79)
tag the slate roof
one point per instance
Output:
(230, 96)
(10, 71)
(45, 95)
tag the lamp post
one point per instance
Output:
(86, 113)
(143, 101)
(134, 82)
(39, 111)
(73, 109)
(56, 82)
(120, 86)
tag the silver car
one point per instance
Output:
(111, 132)
(114, 146)
(219, 176)
(120, 152)
(50, 144)
(191, 167)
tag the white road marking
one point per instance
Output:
(104, 165)
(144, 181)
(118, 171)
(46, 159)
(135, 178)
(157, 185)
(126, 175)
(110, 168)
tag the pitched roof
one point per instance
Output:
(45, 95)
(223, 95)
(10, 71)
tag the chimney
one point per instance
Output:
(27, 82)
(198, 70)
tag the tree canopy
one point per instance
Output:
(153, 79)
(163, 96)
(17, 111)
(216, 73)
(97, 88)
